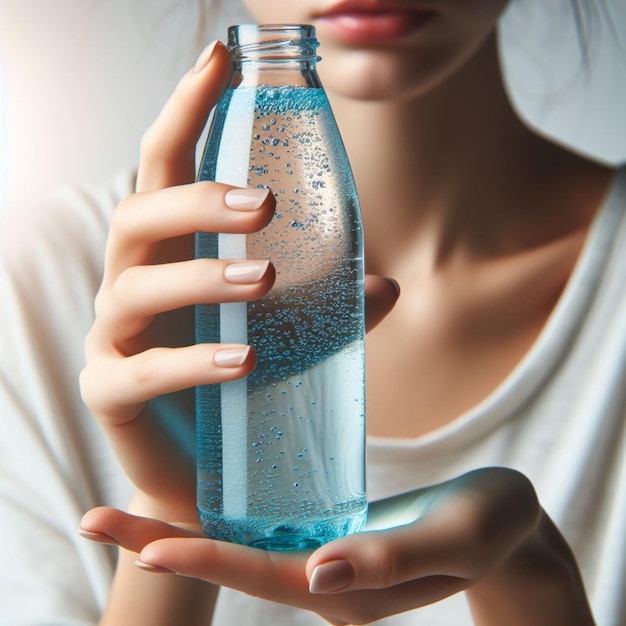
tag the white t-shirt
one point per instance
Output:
(559, 417)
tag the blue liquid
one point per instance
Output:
(281, 454)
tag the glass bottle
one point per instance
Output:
(281, 453)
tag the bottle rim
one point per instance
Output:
(273, 43)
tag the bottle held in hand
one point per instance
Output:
(281, 453)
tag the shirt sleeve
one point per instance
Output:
(54, 463)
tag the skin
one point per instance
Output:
(442, 229)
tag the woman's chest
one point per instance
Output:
(448, 344)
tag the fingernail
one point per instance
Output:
(246, 273)
(153, 569)
(395, 284)
(249, 199)
(231, 357)
(204, 58)
(331, 576)
(98, 537)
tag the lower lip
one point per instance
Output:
(376, 28)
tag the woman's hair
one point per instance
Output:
(557, 23)
(589, 17)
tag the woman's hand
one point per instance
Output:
(141, 360)
(483, 532)
(141, 344)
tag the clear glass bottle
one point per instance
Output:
(281, 455)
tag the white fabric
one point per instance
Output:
(559, 418)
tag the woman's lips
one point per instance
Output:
(374, 27)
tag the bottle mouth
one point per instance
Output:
(273, 43)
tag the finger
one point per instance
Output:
(118, 388)
(168, 147)
(468, 525)
(140, 293)
(381, 295)
(280, 577)
(381, 559)
(109, 525)
(146, 219)
(257, 572)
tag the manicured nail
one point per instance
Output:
(331, 576)
(204, 58)
(249, 199)
(395, 284)
(98, 537)
(153, 569)
(246, 273)
(231, 357)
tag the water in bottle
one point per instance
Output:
(281, 453)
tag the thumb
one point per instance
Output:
(168, 147)
(368, 560)
(381, 295)
(462, 528)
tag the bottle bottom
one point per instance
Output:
(268, 535)
(285, 540)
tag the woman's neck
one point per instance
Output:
(457, 171)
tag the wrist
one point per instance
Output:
(141, 597)
(538, 584)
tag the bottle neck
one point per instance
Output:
(273, 55)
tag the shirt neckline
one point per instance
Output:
(542, 357)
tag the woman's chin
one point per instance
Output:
(375, 78)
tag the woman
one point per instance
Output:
(496, 375)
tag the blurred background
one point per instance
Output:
(80, 80)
